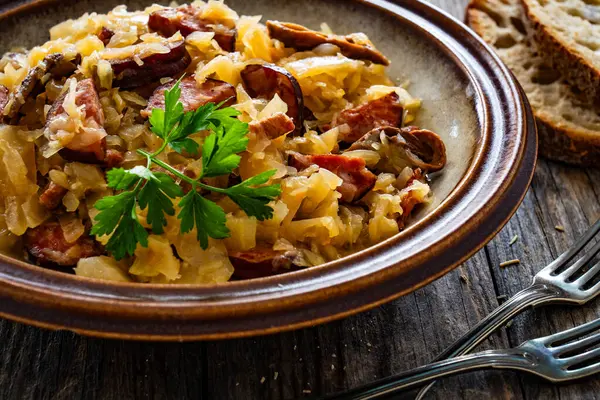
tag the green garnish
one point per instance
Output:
(155, 191)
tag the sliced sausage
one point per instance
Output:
(193, 95)
(274, 126)
(81, 149)
(47, 244)
(53, 65)
(355, 46)
(52, 195)
(357, 179)
(410, 146)
(185, 20)
(93, 154)
(129, 74)
(87, 96)
(261, 262)
(265, 81)
(385, 111)
(409, 201)
(105, 35)
(114, 158)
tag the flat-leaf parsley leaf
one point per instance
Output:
(157, 192)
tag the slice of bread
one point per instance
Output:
(568, 35)
(568, 125)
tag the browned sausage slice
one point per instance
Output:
(185, 20)
(105, 35)
(129, 74)
(86, 96)
(93, 154)
(357, 179)
(52, 195)
(302, 38)
(409, 201)
(262, 262)
(385, 111)
(114, 158)
(410, 146)
(48, 245)
(265, 81)
(193, 95)
(274, 126)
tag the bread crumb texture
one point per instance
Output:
(568, 123)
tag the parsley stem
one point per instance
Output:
(166, 166)
(193, 182)
(157, 152)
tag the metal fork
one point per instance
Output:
(568, 355)
(553, 284)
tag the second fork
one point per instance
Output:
(553, 284)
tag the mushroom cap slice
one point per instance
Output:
(299, 37)
(409, 146)
(265, 81)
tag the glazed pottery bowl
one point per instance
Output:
(469, 98)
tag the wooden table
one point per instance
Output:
(39, 364)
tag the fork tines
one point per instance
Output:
(576, 349)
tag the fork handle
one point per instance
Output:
(507, 359)
(533, 295)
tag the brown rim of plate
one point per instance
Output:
(482, 202)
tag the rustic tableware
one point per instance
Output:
(469, 97)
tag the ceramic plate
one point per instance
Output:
(469, 98)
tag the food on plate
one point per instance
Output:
(299, 37)
(189, 144)
(568, 123)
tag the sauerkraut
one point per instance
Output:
(52, 135)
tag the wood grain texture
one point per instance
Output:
(38, 364)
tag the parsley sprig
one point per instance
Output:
(156, 191)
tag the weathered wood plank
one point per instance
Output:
(560, 196)
(397, 336)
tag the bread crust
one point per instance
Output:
(556, 144)
(575, 67)
(561, 138)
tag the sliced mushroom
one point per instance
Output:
(406, 147)
(16, 59)
(355, 46)
(52, 66)
(47, 244)
(185, 19)
(355, 122)
(3, 98)
(129, 74)
(262, 262)
(193, 95)
(265, 81)
(357, 180)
